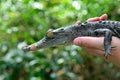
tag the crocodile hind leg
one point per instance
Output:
(107, 40)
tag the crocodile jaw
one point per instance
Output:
(46, 42)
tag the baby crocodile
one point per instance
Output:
(68, 34)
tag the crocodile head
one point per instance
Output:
(52, 38)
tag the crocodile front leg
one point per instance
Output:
(107, 40)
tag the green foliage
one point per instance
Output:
(26, 21)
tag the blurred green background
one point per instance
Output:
(26, 21)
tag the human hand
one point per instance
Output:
(95, 46)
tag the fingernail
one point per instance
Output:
(103, 17)
(77, 41)
(78, 23)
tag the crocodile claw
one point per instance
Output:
(107, 51)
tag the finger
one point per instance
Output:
(96, 52)
(78, 22)
(103, 17)
(90, 42)
(100, 53)
(93, 19)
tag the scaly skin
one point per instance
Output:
(68, 34)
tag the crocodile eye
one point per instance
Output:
(62, 29)
(49, 33)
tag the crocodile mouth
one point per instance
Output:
(51, 42)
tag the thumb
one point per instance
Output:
(90, 42)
